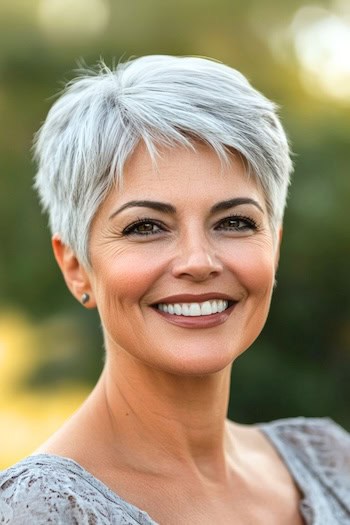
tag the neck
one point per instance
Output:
(157, 415)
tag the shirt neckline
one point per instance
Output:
(292, 463)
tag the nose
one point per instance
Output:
(196, 260)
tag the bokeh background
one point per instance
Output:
(298, 54)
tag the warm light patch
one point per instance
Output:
(17, 341)
(322, 44)
(73, 19)
(27, 418)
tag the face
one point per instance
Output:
(183, 262)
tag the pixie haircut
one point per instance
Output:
(103, 114)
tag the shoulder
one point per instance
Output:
(48, 492)
(320, 444)
(56, 490)
(317, 434)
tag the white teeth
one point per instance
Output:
(185, 309)
(214, 307)
(206, 308)
(194, 309)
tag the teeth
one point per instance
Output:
(194, 309)
(206, 308)
(177, 309)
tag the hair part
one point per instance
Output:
(103, 114)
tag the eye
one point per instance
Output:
(143, 227)
(237, 223)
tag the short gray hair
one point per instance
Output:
(103, 114)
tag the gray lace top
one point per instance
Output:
(45, 488)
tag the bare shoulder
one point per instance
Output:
(269, 478)
(250, 439)
(260, 457)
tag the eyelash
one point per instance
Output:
(131, 229)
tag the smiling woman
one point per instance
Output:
(165, 181)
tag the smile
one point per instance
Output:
(194, 309)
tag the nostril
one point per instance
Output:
(196, 274)
(199, 266)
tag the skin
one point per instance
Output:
(154, 429)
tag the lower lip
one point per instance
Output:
(203, 321)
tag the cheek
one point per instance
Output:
(254, 266)
(127, 276)
(255, 271)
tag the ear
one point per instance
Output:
(74, 273)
(278, 241)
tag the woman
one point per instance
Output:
(165, 182)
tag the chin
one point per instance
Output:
(196, 362)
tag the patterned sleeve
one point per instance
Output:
(45, 495)
(324, 448)
(330, 453)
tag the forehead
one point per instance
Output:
(178, 170)
(182, 175)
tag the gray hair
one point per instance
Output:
(103, 114)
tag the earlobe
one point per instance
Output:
(74, 273)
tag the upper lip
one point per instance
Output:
(195, 298)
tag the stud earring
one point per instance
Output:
(85, 298)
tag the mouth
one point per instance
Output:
(190, 311)
(195, 309)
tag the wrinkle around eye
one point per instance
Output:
(110, 240)
(107, 247)
(263, 239)
(113, 243)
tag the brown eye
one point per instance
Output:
(143, 227)
(237, 223)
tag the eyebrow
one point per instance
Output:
(154, 205)
(169, 209)
(232, 203)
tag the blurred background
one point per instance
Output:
(298, 54)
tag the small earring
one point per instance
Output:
(85, 298)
